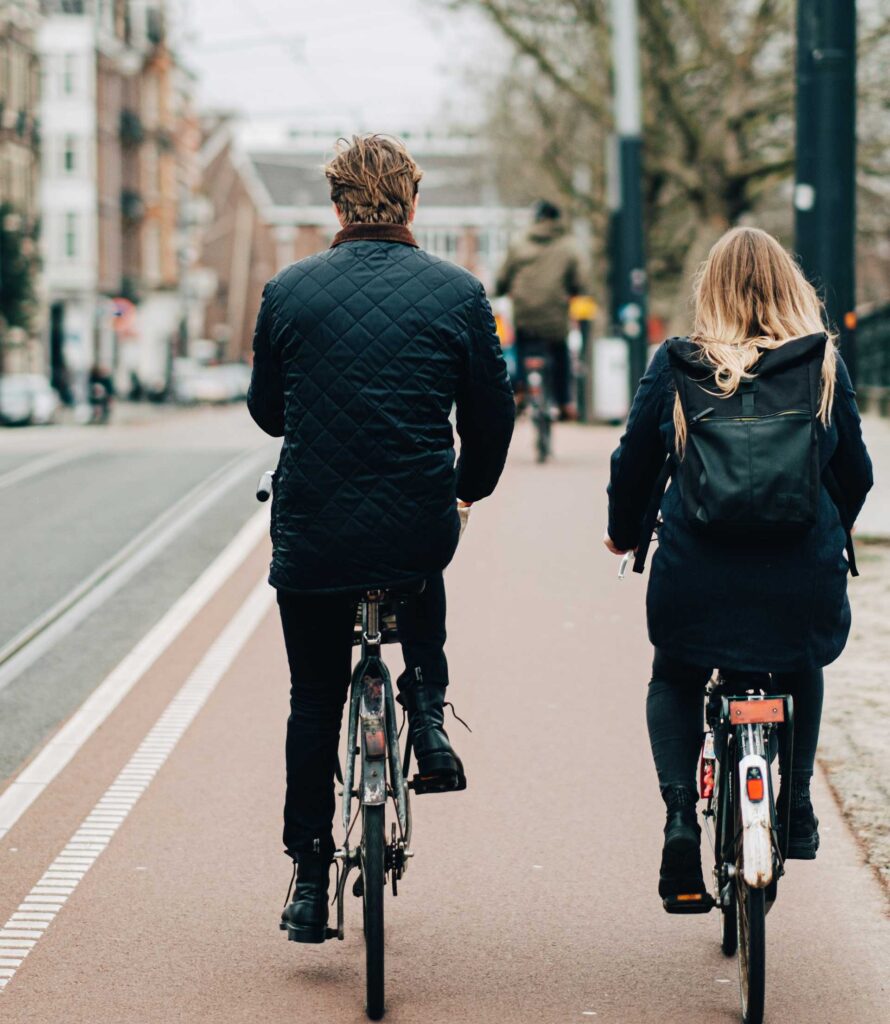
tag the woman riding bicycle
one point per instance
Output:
(749, 603)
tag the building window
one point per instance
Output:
(69, 74)
(70, 236)
(69, 155)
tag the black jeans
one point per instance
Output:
(557, 352)
(674, 713)
(318, 631)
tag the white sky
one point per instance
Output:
(387, 65)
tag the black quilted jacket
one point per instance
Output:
(360, 353)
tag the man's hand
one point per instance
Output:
(612, 546)
(463, 510)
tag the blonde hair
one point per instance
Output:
(750, 294)
(373, 180)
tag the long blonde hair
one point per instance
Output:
(751, 295)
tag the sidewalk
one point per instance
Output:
(875, 518)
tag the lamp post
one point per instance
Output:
(825, 188)
(629, 282)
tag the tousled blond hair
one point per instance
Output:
(373, 180)
(750, 294)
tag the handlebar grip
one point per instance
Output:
(264, 487)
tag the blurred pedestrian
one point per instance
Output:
(542, 272)
(101, 393)
(752, 587)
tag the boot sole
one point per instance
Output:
(309, 936)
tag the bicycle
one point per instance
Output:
(746, 730)
(538, 389)
(373, 735)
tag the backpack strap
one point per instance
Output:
(837, 496)
(651, 516)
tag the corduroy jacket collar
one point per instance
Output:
(375, 233)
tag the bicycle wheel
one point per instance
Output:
(373, 878)
(751, 915)
(542, 434)
(729, 938)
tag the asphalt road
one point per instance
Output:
(532, 896)
(100, 490)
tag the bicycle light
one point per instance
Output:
(754, 785)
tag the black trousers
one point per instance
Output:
(675, 716)
(557, 352)
(318, 630)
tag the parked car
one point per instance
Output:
(27, 398)
(194, 382)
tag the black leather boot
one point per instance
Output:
(681, 884)
(439, 769)
(305, 918)
(803, 831)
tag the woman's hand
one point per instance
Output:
(612, 546)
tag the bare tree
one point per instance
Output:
(718, 79)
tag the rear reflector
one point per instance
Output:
(754, 785)
(751, 712)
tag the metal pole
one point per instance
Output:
(825, 190)
(629, 265)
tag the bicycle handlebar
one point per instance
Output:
(264, 487)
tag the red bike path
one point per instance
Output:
(531, 898)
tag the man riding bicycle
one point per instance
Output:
(542, 272)
(360, 353)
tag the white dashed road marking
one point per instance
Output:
(27, 925)
(25, 789)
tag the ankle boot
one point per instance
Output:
(803, 830)
(439, 769)
(681, 870)
(305, 918)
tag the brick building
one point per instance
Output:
(121, 148)
(269, 206)
(19, 170)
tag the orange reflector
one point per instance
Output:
(690, 897)
(850, 321)
(750, 712)
(755, 788)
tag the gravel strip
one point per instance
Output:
(853, 747)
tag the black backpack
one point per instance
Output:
(751, 463)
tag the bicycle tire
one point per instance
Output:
(542, 435)
(751, 913)
(729, 936)
(374, 878)
(729, 939)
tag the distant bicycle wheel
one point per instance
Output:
(543, 427)
(373, 878)
(751, 919)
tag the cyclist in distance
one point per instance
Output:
(360, 353)
(544, 270)
(760, 589)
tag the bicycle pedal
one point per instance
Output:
(450, 783)
(689, 903)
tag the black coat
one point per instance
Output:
(360, 353)
(746, 605)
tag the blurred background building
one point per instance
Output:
(19, 184)
(269, 205)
